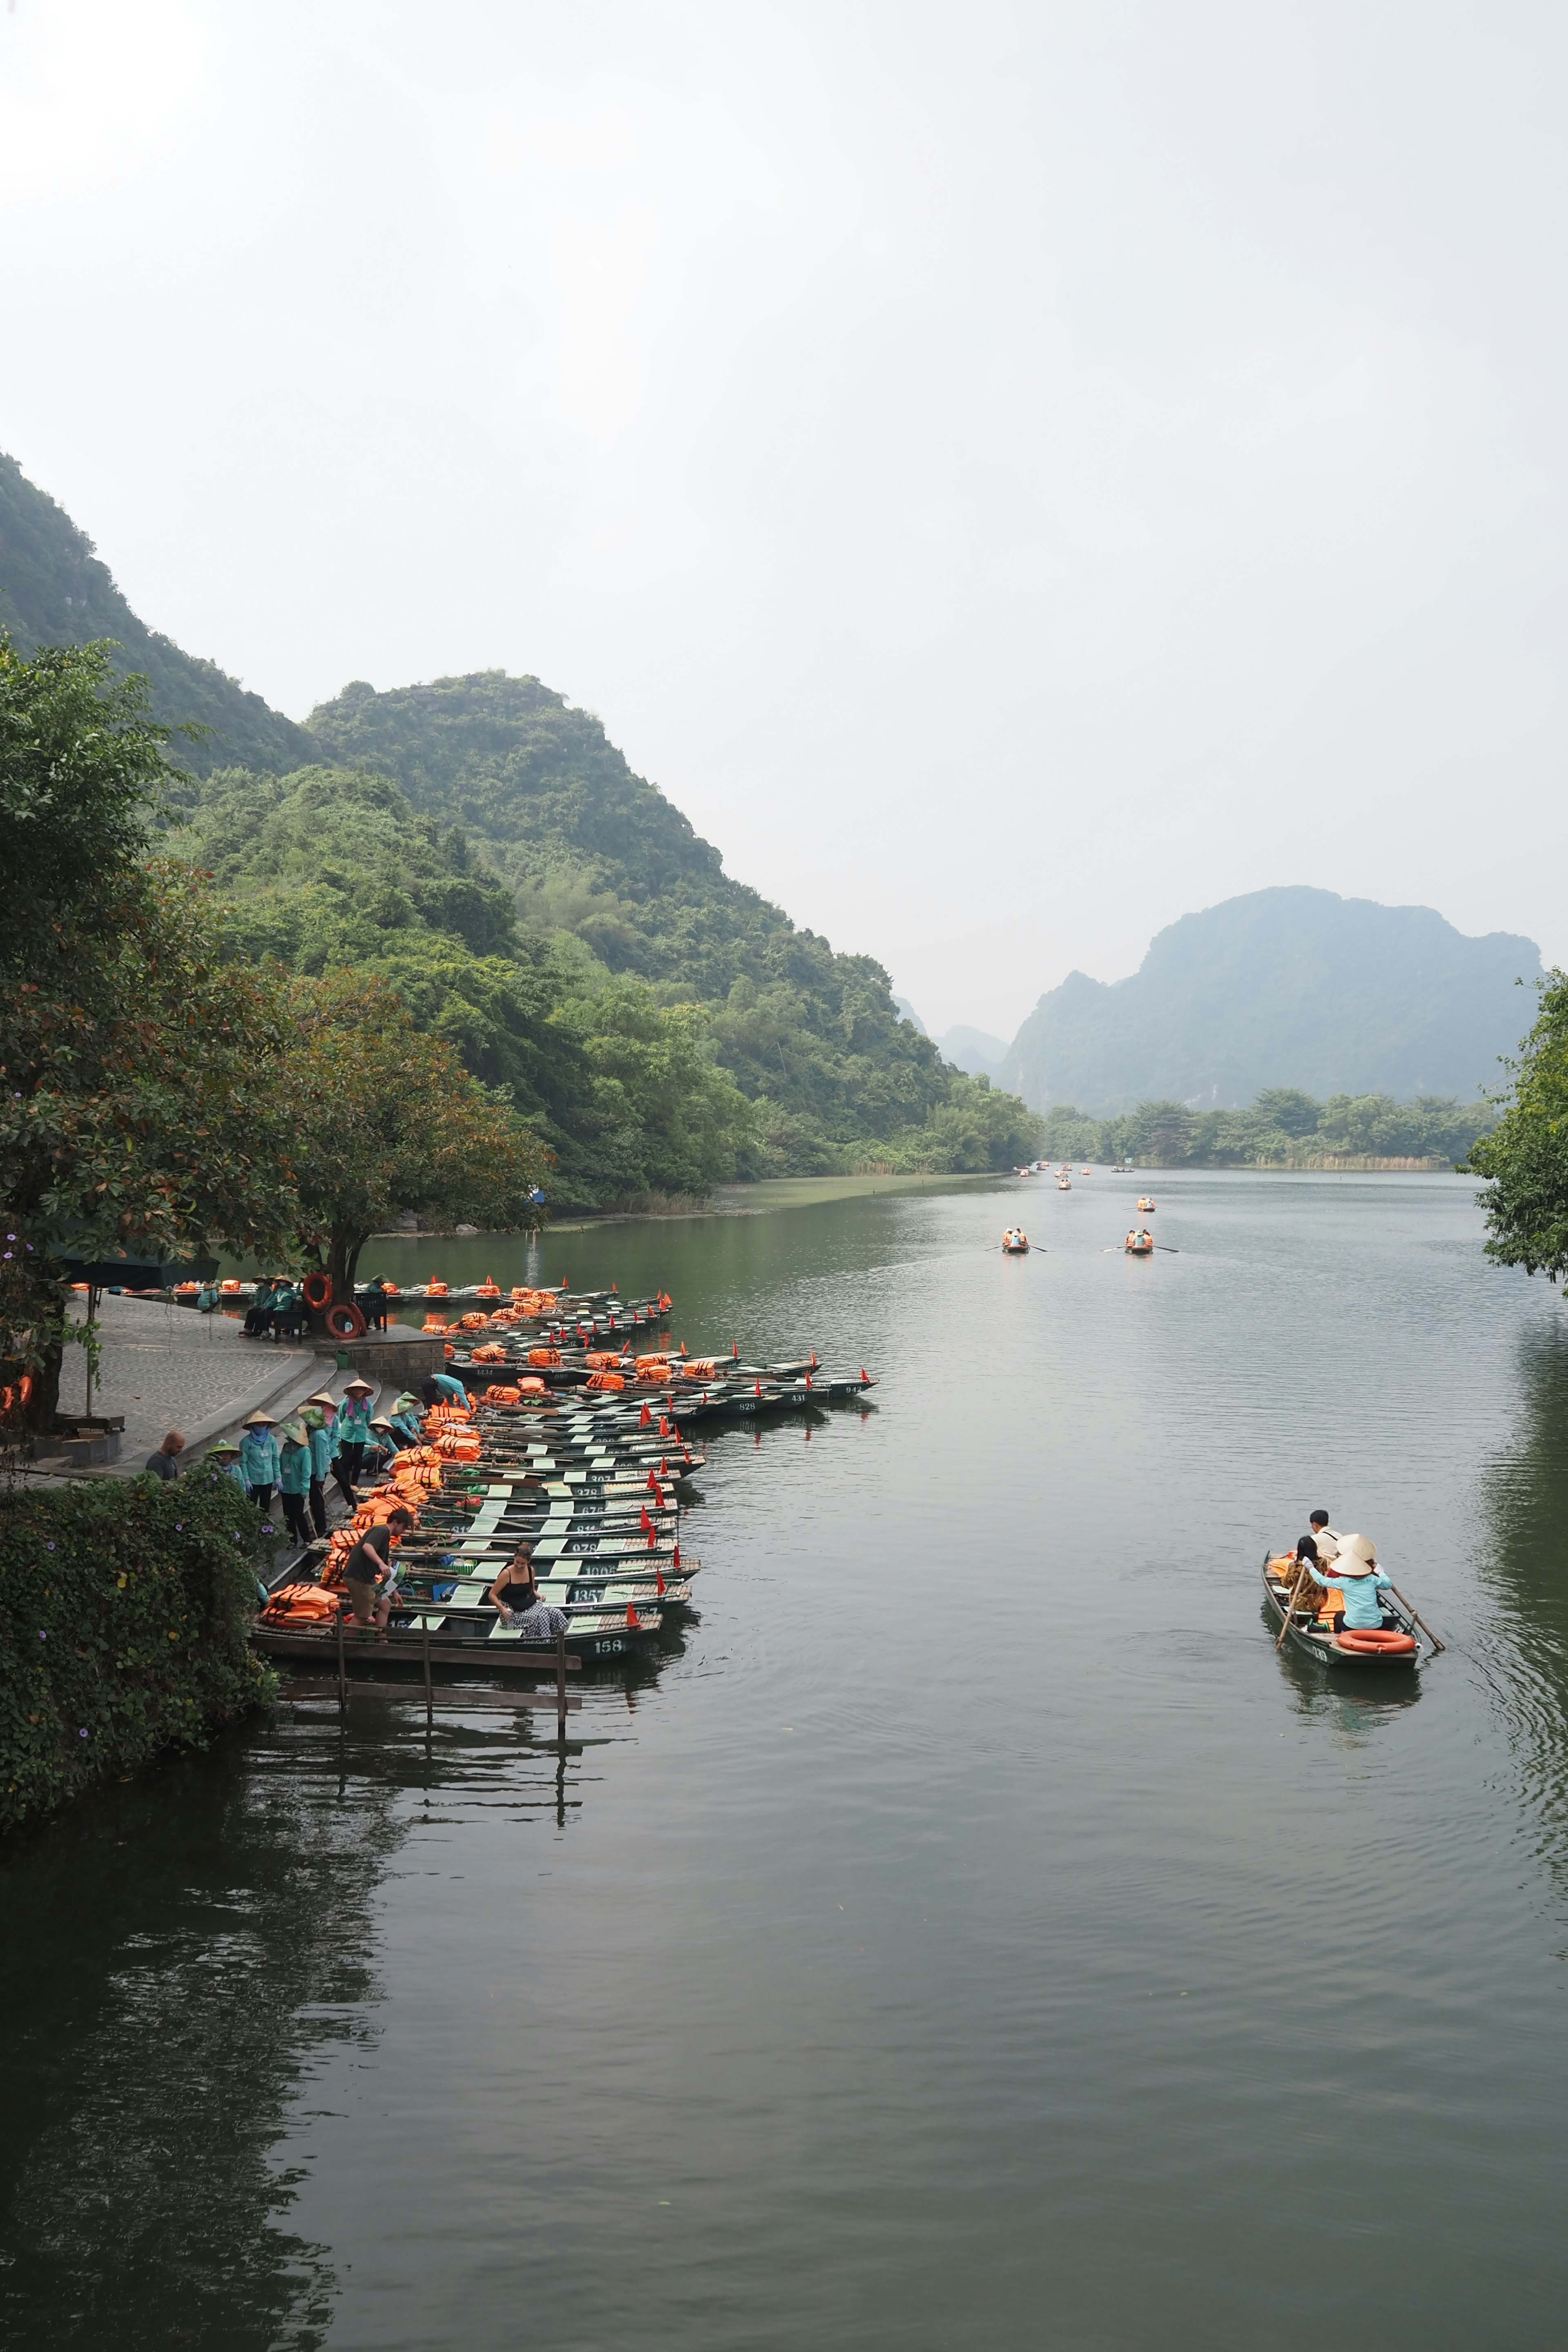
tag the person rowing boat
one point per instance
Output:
(1355, 1575)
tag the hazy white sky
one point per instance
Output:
(1011, 474)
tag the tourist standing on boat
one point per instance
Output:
(1322, 1544)
(319, 1414)
(294, 1479)
(259, 1458)
(1355, 1574)
(516, 1595)
(369, 1572)
(350, 1431)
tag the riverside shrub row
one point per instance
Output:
(124, 1608)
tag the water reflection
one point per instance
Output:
(182, 1950)
(1520, 1558)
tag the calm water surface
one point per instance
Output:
(974, 1935)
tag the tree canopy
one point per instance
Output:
(1526, 1156)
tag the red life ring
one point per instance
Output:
(345, 1322)
(1370, 1641)
(316, 1291)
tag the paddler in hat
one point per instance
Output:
(318, 1413)
(1355, 1574)
(351, 1430)
(259, 1458)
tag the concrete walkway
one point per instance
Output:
(170, 1368)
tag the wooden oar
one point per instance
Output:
(1437, 1646)
(1290, 1604)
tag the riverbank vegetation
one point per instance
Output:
(1282, 1128)
(163, 1097)
(125, 1609)
(1526, 1156)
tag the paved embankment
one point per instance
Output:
(170, 1368)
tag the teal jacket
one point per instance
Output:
(259, 1458)
(350, 1426)
(1363, 1608)
(450, 1387)
(294, 1471)
(324, 1446)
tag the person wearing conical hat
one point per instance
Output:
(259, 1458)
(406, 1418)
(351, 1430)
(1355, 1573)
(225, 1455)
(294, 1478)
(318, 1413)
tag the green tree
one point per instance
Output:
(1525, 1159)
(136, 1111)
(383, 1119)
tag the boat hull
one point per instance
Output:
(1313, 1642)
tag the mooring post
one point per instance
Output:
(561, 1685)
(429, 1693)
(343, 1668)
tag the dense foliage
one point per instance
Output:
(161, 1098)
(54, 591)
(1283, 1129)
(382, 1119)
(1526, 1157)
(134, 1102)
(663, 1029)
(124, 1609)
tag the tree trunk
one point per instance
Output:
(343, 1263)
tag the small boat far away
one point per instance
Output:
(1145, 1206)
(1015, 1243)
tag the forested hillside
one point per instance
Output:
(484, 846)
(54, 591)
(624, 1076)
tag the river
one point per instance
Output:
(974, 1934)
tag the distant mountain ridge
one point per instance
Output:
(55, 591)
(1288, 987)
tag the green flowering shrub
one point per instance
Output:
(124, 1609)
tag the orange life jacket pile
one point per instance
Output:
(606, 1380)
(544, 1355)
(489, 1352)
(300, 1604)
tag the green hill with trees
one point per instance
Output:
(55, 591)
(481, 847)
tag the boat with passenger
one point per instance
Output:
(1312, 1618)
(1015, 1243)
(1140, 1242)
